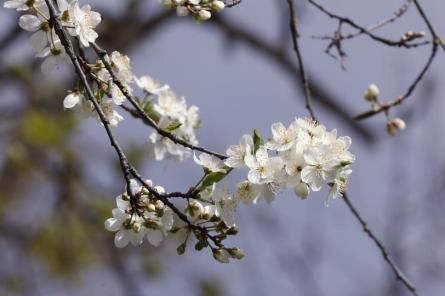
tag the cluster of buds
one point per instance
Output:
(212, 215)
(200, 9)
(139, 215)
(393, 125)
(410, 36)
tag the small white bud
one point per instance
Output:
(137, 227)
(151, 207)
(394, 125)
(237, 253)
(204, 15)
(221, 255)
(218, 6)
(159, 205)
(302, 190)
(195, 209)
(372, 93)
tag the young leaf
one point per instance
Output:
(258, 140)
(214, 177)
(172, 126)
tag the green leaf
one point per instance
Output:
(214, 177)
(99, 94)
(172, 126)
(258, 140)
(147, 106)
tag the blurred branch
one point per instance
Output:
(397, 272)
(323, 96)
(10, 37)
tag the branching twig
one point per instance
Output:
(323, 96)
(399, 274)
(103, 56)
(362, 30)
(303, 76)
(128, 169)
(436, 43)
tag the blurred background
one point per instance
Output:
(59, 175)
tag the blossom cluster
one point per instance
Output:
(170, 111)
(160, 102)
(305, 157)
(200, 9)
(149, 218)
(172, 115)
(80, 22)
(140, 215)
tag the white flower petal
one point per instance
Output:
(121, 239)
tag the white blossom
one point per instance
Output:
(225, 206)
(237, 153)
(127, 227)
(111, 115)
(247, 192)
(150, 85)
(283, 139)
(22, 5)
(262, 167)
(209, 162)
(85, 21)
(73, 99)
(320, 168)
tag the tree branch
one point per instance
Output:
(397, 272)
(303, 76)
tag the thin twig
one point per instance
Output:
(238, 32)
(103, 56)
(397, 272)
(128, 169)
(436, 42)
(303, 76)
(362, 30)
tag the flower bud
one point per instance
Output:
(203, 15)
(237, 253)
(159, 205)
(195, 209)
(151, 207)
(371, 93)
(302, 190)
(218, 6)
(125, 197)
(137, 227)
(221, 255)
(394, 125)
